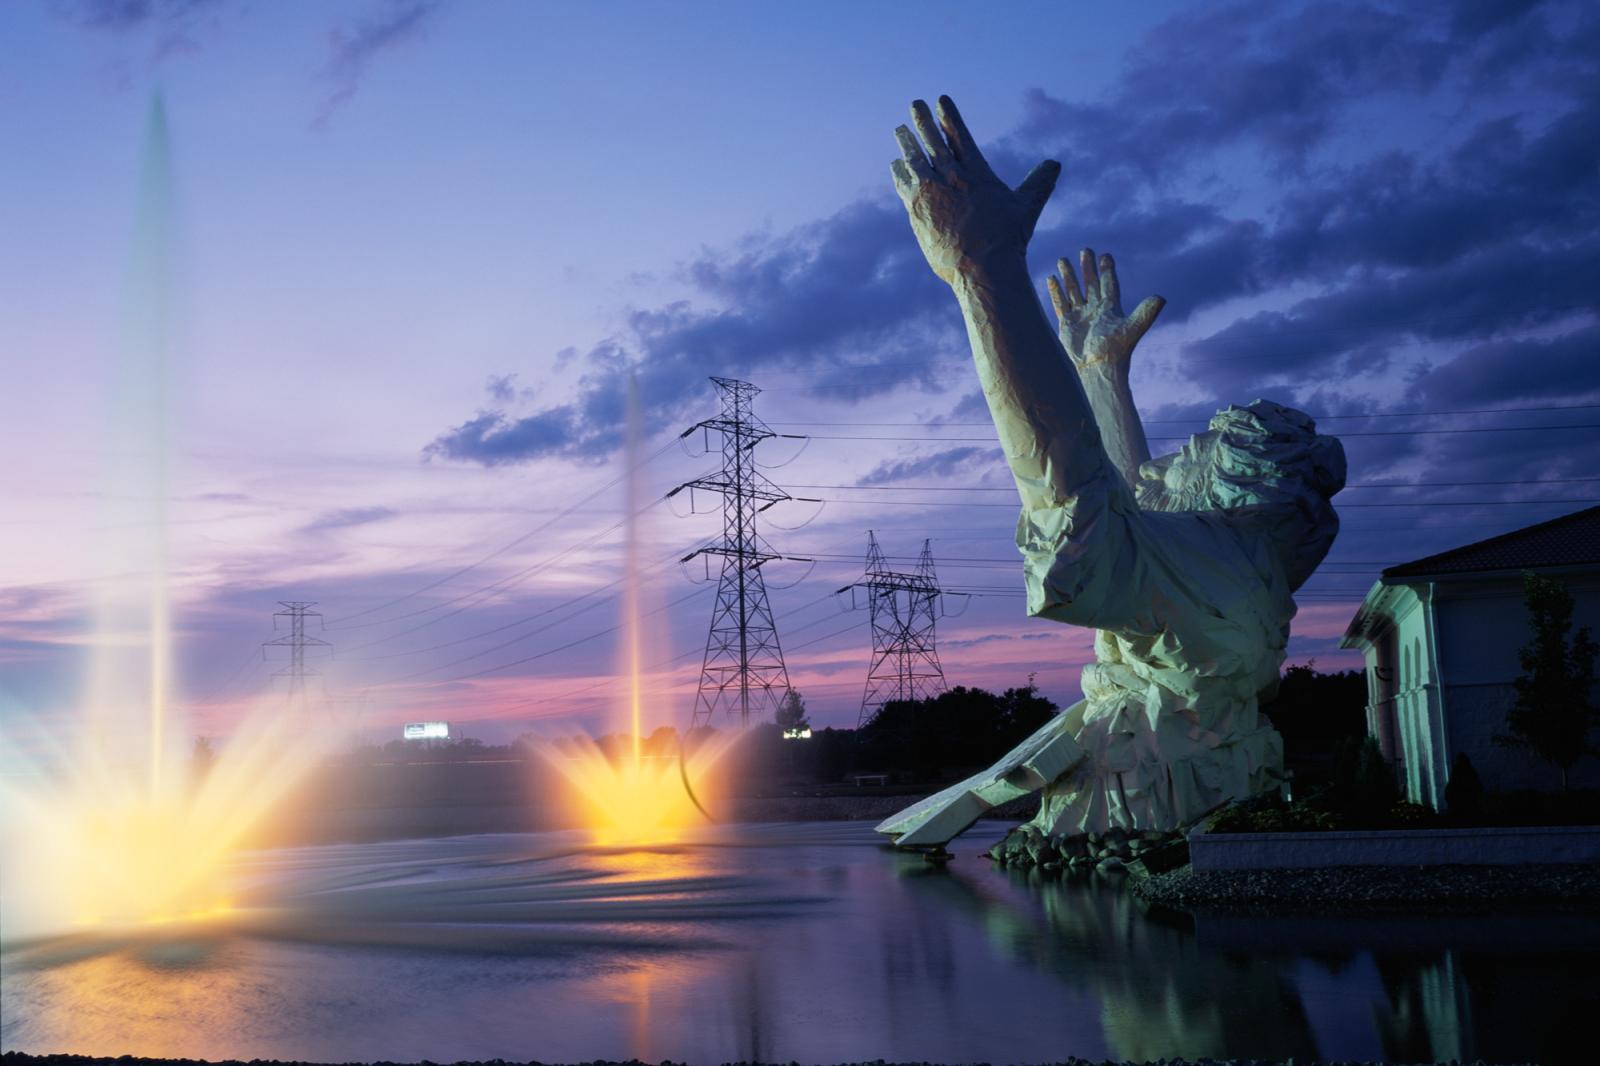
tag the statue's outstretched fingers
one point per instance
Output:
(932, 136)
(905, 182)
(911, 152)
(962, 144)
(1058, 300)
(1110, 288)
(1069, 281)
(1036, 188)
(1144, 315)
(1091, 276)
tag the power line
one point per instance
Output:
(1341, 506)
(1350, 433)
(497, 587)
(1466, 484)
(1352, 485)
(613, 629)
(829, 636)
(510, 581)
(615, 678)
(1199, 419)
(518, 639)
(246, 667)
(543, 654)
(339, 622)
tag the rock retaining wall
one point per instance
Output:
(1114, 849)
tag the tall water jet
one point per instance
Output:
(131, 657)
(643, 789)
(632, 582)
(115, 835)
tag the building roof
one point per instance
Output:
(1571, 540)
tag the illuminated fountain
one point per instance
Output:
(116, 829)
(643, 791)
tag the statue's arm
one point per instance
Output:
(1099, 340)
(974, 231)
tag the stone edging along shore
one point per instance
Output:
(1390, 870)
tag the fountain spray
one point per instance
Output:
(98, 841)
(629, 794)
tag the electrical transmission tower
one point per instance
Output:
(905, 663)
(743, 661)
(296, 640)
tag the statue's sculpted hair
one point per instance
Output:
(1262, 458)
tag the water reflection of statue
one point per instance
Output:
(1160, 992)
(1185, 564)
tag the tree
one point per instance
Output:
(1463, 796)
(201, 759)
(1363, 781)
(1318, 715)
(791, 713)
(1554, 712)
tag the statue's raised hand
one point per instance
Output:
(1094, 331)
(963, 215)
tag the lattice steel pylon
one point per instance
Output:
(296, 640)
(905, 610)
(743, 664)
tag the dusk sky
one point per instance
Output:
(422, 244)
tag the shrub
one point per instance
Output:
(1463, 795)
(1374, 785)
(1408, 816)
(1268, 814)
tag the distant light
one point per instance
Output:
(427, 731)
(797, 734)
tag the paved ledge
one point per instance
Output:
(1485, 846)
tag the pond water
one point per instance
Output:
(805, 942)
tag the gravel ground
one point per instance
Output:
(1370, 887)
(12, 1058)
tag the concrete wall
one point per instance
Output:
(1482, 626)
(1519, 845)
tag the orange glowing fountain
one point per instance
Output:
(98, 847)
(116, 833)
(643, 790)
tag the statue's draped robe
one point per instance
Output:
(1192, 610)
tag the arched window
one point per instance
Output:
(1405, 670)
(1421, 667)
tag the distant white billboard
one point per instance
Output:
(427, 731)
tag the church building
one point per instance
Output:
(1442, 636)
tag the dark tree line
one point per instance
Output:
(940, 739)
(931, 740)
(958, 730)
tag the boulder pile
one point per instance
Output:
(1115, 849)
